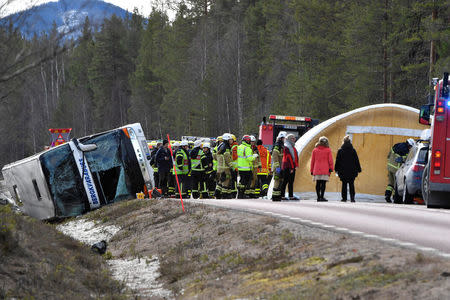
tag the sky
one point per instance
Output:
(12, 6)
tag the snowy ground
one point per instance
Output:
(137, 273)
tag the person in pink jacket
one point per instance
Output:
(321, 166)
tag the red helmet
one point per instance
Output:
(247, 139)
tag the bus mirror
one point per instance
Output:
(88, 147)
(424, 115)
(83, 147)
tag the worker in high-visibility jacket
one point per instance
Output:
(234, 172)
(277, 159)
(183, 167)
(396, 157)
(224, 168)
(245, 165)
(207, 163)
(254, 187)
(172, 182)
(197, 170)
(264, 176)
(219, 141)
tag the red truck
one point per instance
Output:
(436, 176)
(268, 131)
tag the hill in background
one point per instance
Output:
(66, 15)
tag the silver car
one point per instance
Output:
(408, 178)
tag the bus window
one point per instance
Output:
(114, 166)
(64, 181)
(36, 190)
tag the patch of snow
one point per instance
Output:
(88, 232)
(140, 275)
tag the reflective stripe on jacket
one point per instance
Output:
(266, 158)
(182, 168)
(245, 157)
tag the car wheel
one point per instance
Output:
(397, 197)
(407, 197)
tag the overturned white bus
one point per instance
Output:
(82, 175)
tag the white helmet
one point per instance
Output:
(184, 143)
(252, 138)
(227, 137)
(207, 145)
(281, 134)
(411, 142)
(197, 143)
(176, 144)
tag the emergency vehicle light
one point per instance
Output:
(289, 118)
(448, 103)
(437, 154)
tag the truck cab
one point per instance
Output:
(436, 177)
(268, 131)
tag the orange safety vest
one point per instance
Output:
(266, 160)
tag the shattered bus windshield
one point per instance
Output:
(114, 167)
(64, 181)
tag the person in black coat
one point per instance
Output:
(347, 167)
(164, 163)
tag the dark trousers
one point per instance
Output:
(263, 182)
(320, 188)
(163, 181)
(288, 179)
(244, 184)
(198, 184)
(351, 184)
(183, 180)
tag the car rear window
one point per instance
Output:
(423, 156)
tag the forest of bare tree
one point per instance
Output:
(218, 66)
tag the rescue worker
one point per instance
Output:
(207, 162)
(197, 170)
(224, 167)
(245, 163)
(153, 162)
(183, 167)
(396, 157)
(172, 181)
(277, 159)
(234, 172)
(219, 140)
(254, 188)
(164, 164)
(263, 173)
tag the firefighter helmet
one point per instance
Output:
(220, 139)
(227, 137)
(207, 145)
(184, 143)
(246, 138)
(410, 142)
(198, 143)
(252, 138)
(281, 134)
(234, 137)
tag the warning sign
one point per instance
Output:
(59, 136)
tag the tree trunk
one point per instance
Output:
(238, 85)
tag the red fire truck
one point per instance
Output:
(436, 176)
(268, 132)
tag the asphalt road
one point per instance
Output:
(411, 226)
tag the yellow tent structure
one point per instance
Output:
(373, 130)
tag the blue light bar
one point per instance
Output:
(448, 103)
